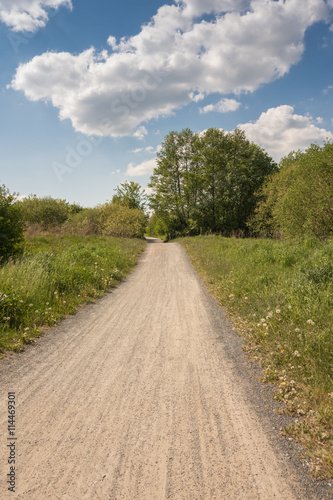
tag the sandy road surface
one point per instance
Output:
(142, 396)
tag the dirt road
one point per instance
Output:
(143, 395)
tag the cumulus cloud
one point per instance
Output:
(280, 131)
(177, 58)
(223, 106)
(144, 168)
(28, 15)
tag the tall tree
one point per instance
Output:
(131, 195)
(207, 181)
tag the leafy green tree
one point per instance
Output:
(306, 209)
(297, 201)
(11, 225)
(264, 221)
(207, 182)
(131, 195)
(174, 184)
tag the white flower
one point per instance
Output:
(297, 330)
(297, 354)
(310, 322)
(277, 311)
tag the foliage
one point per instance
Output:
(11, 225)
(122, 221)
(54, 277)
(280, 295)
(46, 211)
(86, 222)
(130, 195)
(207, 182)
(298, 199)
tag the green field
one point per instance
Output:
(54, 277)
(280, 296)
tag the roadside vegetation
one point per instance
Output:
(54, 277)
(56, 256)
(279, 294)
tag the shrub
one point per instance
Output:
(11, 225)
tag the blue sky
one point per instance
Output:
(88, 90)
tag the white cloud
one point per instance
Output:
(280, 131)
(175, 59)
(223, 106)
(28, 15)
(148, 149)
(144, 168)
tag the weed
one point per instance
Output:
(280, 294)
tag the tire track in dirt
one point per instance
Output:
(143, 395)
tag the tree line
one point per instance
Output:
(214, 181)
(221, 182)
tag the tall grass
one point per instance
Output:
(280, 294)
(54, 277)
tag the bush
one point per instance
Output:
(47, 212)
(11, 225)
(119, 220)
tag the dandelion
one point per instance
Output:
(297, 354)
(277, 311)
(297, 330)
(265, 325)
(246, 298)
(47, 303)
(36, 312)
(30, 305)
(231, 296)
(310, 322)
(289, 307)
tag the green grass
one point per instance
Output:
(54, 277)
(280, 296)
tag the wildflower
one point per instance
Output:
(265, 325)
(36, 312)
(231, 296)
(282, 383)
(277, 311)
(30, 305)
(246, 298)
(297, 330)
(310, 322)
(47, 303)
(297, 354)
(289, 307)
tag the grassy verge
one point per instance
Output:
(54, 277)
(279, 294)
